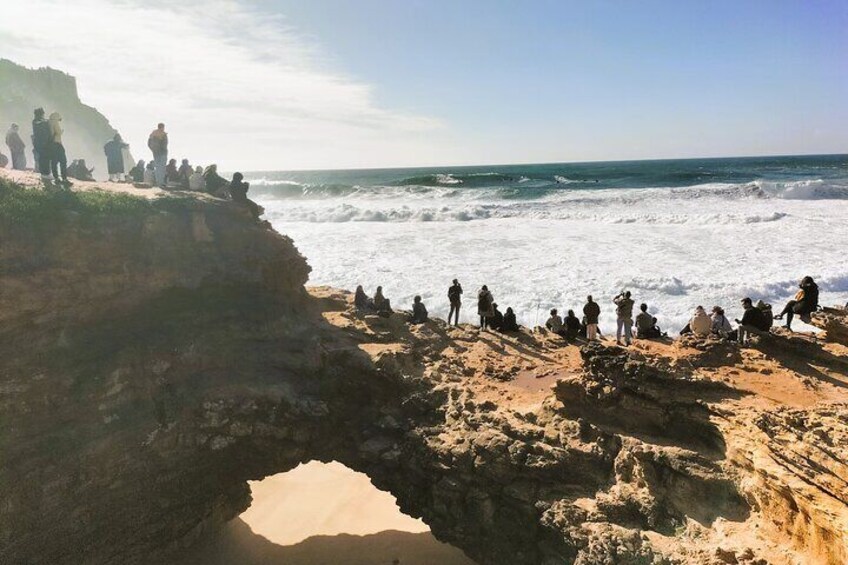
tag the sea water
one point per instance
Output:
(676, 233)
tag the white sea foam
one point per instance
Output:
(709, 244)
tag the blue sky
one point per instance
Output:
(469, 82)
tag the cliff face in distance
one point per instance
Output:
(22, 90)
(156, 355)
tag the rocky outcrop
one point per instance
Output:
(156, 357)
(86, 129)
(834, 322)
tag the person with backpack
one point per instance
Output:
(806, 302)
(591, 311)
(455, 299)
(624, 317)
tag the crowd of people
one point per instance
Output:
(50, 160)
(756, 318)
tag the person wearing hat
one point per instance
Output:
(752, 318)
(16, 147)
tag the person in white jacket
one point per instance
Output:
(700, 324)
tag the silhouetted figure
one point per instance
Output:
(484, 306)
(455, 299)
(381, 303)
(17, 147)
(624, 317)
(752, 318)
(3, 160)
(216, 185)
(196, 180)
(184, 173)
(496, 322)
(172, 175)
(238, 192)
(806, 302)
(58, 157)
(646, 325)
(137, 172)
(158, 145)
(361, 300)
(554, 322)
(571, 325)
(41, 142)
(591, 311)
(79, 170)
(509, 322)
(114, 150)
(419, 311)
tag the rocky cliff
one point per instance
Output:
(22, 90)
(158, 353)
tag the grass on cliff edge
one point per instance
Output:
(34, 207)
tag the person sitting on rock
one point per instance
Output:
(700, 323)
(646, 325)
(150, 174)
(720, 324)
(509, 322)
(554, 323)
(419, 311)
(497, 320)
(78, 169)
(172, 174)
(137, 172)
(484, 306)
(571, 324)
(184, 173)
(753, 318)
(806, 302)
(361, 300)
(381, 303)
(196, 181)
(216, 185)
(238, 192)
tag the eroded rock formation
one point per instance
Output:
(152, 363)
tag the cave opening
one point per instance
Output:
(327, 513)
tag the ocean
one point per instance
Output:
(676, 233)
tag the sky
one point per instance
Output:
(284, 84)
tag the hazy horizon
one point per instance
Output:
(281, 85)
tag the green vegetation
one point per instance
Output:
(35, 208)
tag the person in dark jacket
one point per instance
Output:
(216, 185)
(752, 318)
(172, 175)
(361, 300)
(497, 320)
(114, 150)
(381, 303)
(16, 147)
(137, 172)
(806, 302)
(509, 322)
(184, 173)
(484, 306)
(455, 299)
(419, 311)
(571, 323)
(591, 311)
(238, 192)
(42, 139)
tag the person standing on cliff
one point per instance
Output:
(455, 299)
(41, 141)
(114, 150)
(591, 311)
(58, 157)
(16, 147)
(624, 317)
(158, 144)
(485, 310)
